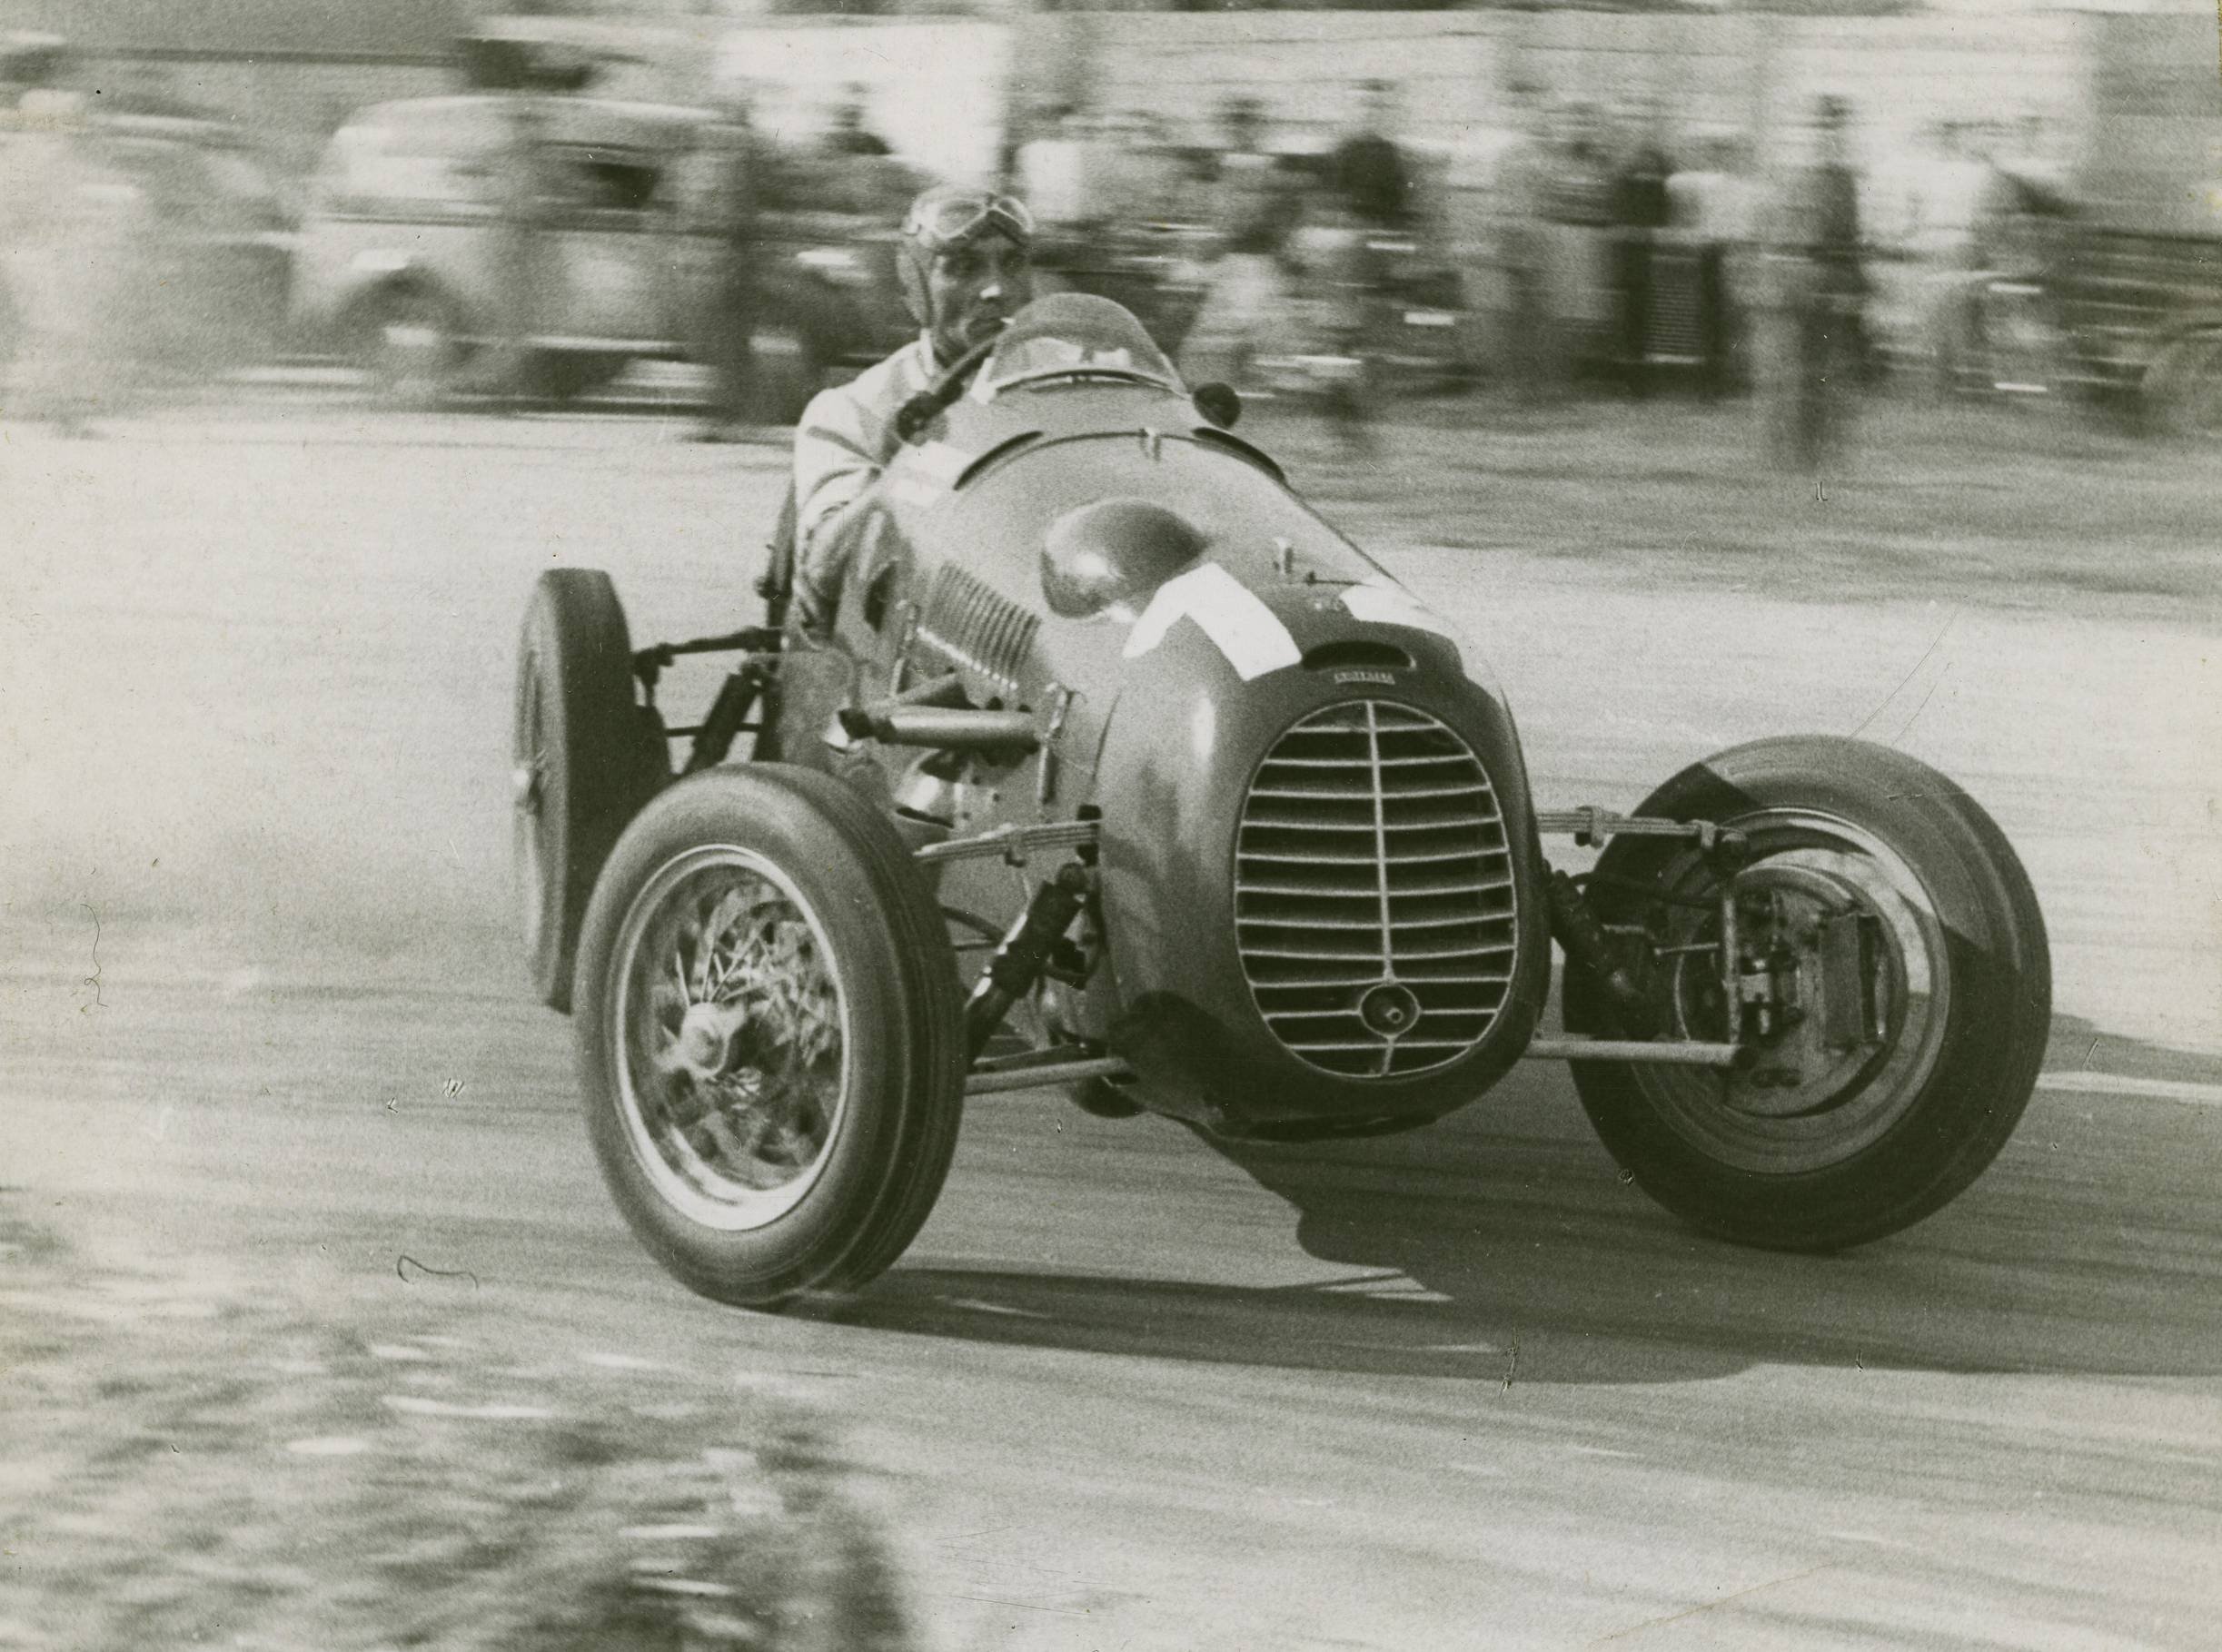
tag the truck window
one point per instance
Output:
(433, 169)
(582, 178)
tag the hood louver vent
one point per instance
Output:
(967, 626)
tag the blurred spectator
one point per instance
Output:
(1064, 174)
(75, 225)
(1639, 211)
(1577, 227)
(1257, 206)
(1368, 169)
(1710, 206)
(2017, 210)
(1055, 168)
(730, 320)
(849, 169)
(1941, 209)
(850, 136)
(1820, 297)
(523, 194)
(1533, 349)
(1139, 184)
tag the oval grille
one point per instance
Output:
(1373, 898)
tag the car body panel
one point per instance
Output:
(1156, 708)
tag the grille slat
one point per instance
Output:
(1262, 859)
(1351, 795)
(1371, 854)
(1278, 761)
(1286, 885)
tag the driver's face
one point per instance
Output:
(974, 289)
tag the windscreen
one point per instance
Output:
(1073, 335)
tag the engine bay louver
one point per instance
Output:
(1373, 892)
(966, 625)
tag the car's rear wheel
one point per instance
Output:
(585, 757)
(771, 1035)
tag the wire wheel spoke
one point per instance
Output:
(735, 1043)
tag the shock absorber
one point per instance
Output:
(1024, 953)
(1575, 928)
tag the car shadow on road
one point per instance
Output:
(1503, 1245)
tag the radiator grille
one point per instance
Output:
(967, 625)
(1374, 896)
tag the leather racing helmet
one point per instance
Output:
(952, 215)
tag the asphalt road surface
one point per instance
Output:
(261, 1017)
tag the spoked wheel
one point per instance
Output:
(771, 1035)
(1894, 980)
(585, 757)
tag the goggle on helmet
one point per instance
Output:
(946, 217)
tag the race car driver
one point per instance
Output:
(964, 259)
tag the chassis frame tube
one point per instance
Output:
(1046, 1073)
(1674, 1054)
(1025, 1076)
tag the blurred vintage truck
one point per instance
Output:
(527, 243)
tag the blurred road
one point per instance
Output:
(258, 1012)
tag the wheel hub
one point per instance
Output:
(704, 1044)
(1814, 959)
(734, 1029)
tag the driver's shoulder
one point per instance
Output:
(874, 395)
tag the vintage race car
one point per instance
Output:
(1121, 770)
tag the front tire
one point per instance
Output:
(771, 1035)
(1899, 1051)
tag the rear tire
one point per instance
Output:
(1832, 1139)
(585, 758)
(771, 1035)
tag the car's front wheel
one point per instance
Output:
(1892, 985)
(770, 1036)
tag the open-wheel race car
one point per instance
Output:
(1120, 770)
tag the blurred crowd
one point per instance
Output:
(1572, 250)
(1567, 250)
